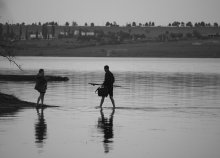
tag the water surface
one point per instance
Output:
(165, 108)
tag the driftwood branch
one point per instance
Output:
(6, 52)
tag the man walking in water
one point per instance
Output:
(108, 83)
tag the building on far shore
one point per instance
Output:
(29, 32)
(84, 33)
(36, 36)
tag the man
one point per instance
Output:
(108, 83)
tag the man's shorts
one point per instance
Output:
(110, 91)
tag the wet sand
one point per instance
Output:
(10, 104)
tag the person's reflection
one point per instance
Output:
(106, 126)
(40, 128)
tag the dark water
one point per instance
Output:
(165, 108)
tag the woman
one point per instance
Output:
(41, 86)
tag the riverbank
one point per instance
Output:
(178, 49)
(10, 104)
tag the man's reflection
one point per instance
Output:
(40, 128)
(106, 126)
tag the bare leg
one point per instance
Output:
(42, 98)
(102, 101)
(38, 99)
(113, 101)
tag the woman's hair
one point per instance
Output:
(41, 70)
(106, 67)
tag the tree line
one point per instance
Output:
(190, 24)
(47, 30)
(131, 24)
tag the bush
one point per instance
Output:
(197, 34)
(189, 35)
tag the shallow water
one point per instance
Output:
(165, 108)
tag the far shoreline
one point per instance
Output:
(174, 49)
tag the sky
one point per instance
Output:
(162, 12)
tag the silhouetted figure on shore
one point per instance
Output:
(106, 126)
(108, 83)
(41, 86)
(40, 127)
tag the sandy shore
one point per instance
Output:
(10, 104)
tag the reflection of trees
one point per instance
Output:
(40, 128)
(149, 81)
(106, 126)
(168, 87)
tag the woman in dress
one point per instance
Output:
(41, 86)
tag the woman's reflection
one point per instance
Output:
(40, 128)
(106, 126)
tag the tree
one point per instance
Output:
(215, 24)
(189, 35)
(92, 24)
(182, 24)
(7, 30)
(44, 31)
(176, 35)
(1, 31)
(36, 34)
(208, 25)
(124, 35)
(134, 24)
(67, 24)
(197, 34)
(86, 24)
(146, 24)
(115, 24)
(128, 25)
(20, 32)
(26, 33)
(176, 23)
(202, 24)
(153, 24)
(189, 24)
(53, 30)
(196, 24)
(74, 23)
(12, 34)
(107, 23)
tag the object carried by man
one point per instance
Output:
(98, 84)
(102, 91)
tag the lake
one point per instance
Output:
(166, 107)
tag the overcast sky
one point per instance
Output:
(161, 12)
